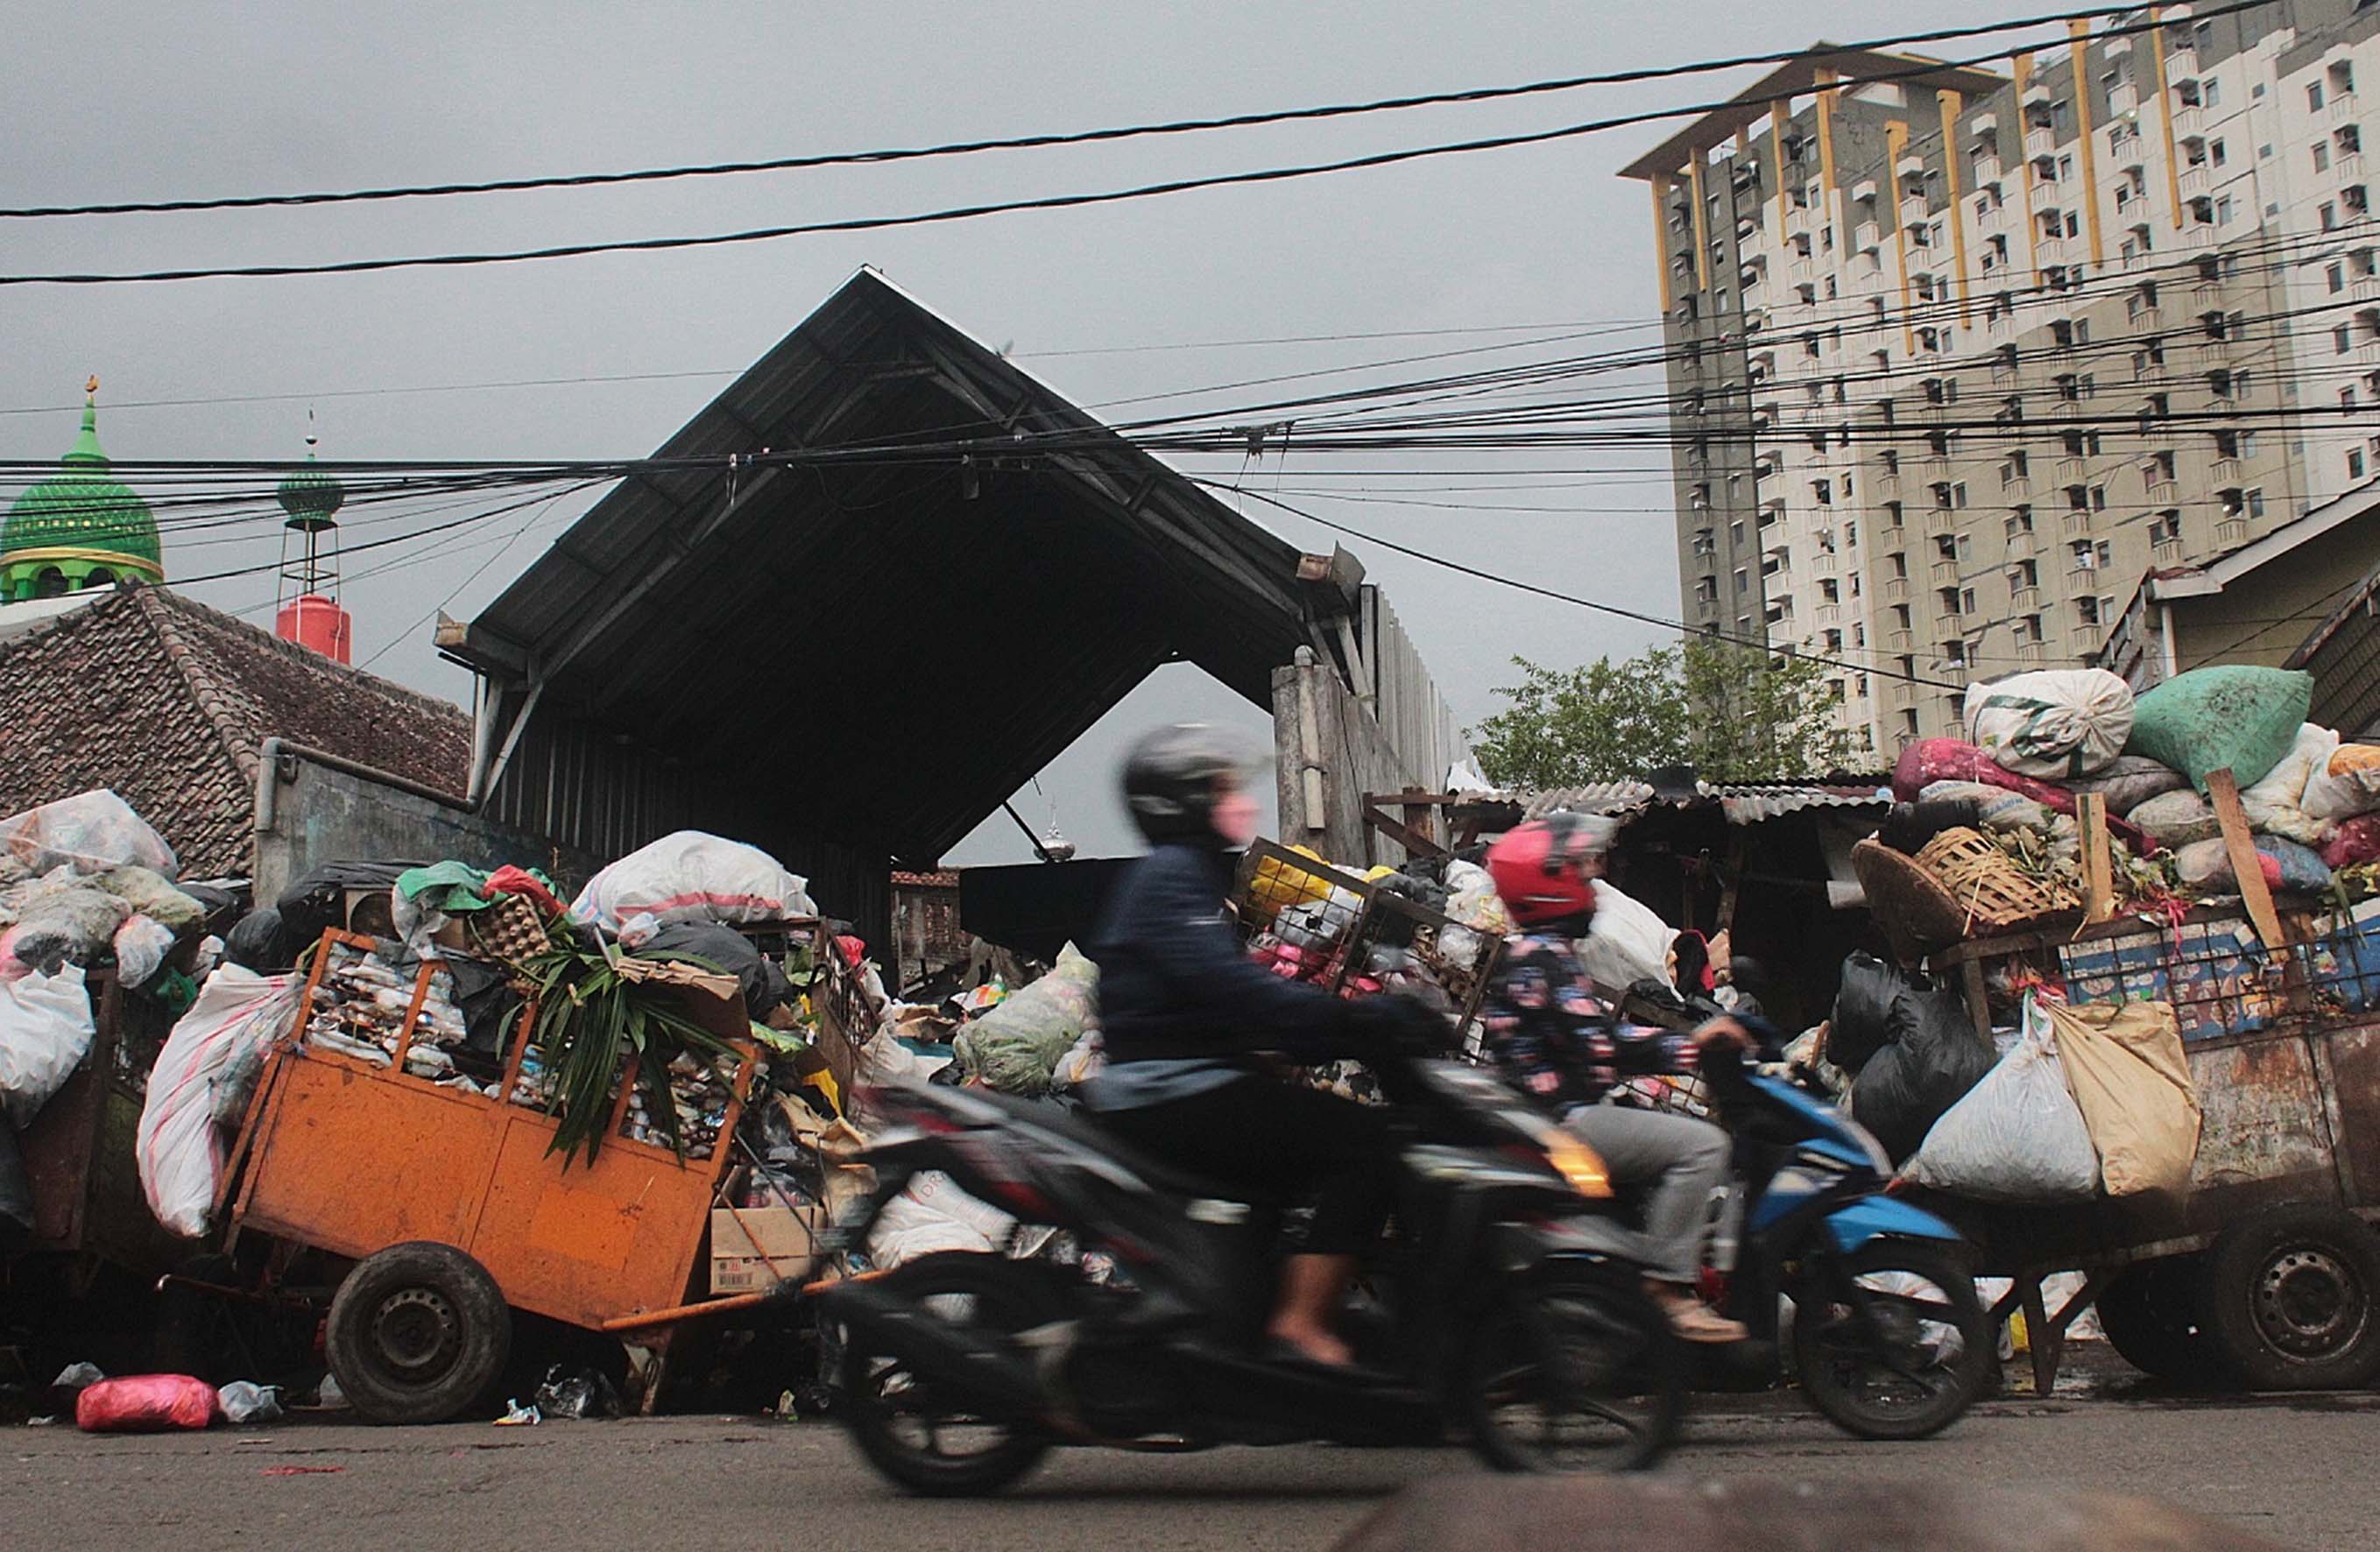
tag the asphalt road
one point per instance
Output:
(2296, 1470)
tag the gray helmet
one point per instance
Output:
(1170, 777)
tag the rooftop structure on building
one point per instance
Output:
(80, 527)
(1956, 357)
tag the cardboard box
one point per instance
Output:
(753, 1249)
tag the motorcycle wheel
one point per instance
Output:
(1928, 1354)
(1571, 1373)
(929, 1443)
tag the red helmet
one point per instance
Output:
(1539, 867)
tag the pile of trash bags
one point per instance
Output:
(1908, 1045)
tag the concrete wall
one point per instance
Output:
(1330, 752)
(310, 812)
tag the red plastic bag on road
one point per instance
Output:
(145, 1404)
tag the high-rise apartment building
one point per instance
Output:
(1955, 357)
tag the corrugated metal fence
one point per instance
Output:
(1404, 699)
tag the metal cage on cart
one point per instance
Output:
(1321, 924)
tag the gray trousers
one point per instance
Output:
(1683, 1160)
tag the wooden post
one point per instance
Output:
(2247, 864)
(2099, 869)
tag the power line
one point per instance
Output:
(1000, 207)
(1081, 137)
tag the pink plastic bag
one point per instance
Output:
(2356, 841)
(1949, 759)
(145, 1404)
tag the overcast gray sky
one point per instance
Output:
(156, 101)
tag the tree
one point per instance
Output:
(1733, 713)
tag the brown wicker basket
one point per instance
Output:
(1990, 891)
(1915, 914)
(509, 931)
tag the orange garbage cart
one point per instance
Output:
(453, 1213)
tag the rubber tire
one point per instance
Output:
(1016, 1303)
(2149, 1312)
(1662, 1373)
(2237, 1266)
(1947, 1270)
(480, 1339)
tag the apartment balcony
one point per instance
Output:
(1942, 522)
(2074, 525)
(2196, 179)
(2231, 531)
(2024, 544)
(2167, 551)
(1945, 574)
(1866, 237)
(2163, 493)
(2033, 651)
(1900, 641)
(1826, 563)
(2364, 289)
(2340, 109)
(1884, 486)
(1828, 614)
(2198, 237)
(2368, 353)
(2220, 471)
(1987, 170)
(2347, 167)
(1896, 589)
(2147, 321)
(2024, 599)
(2189, 120)
(2084, 641)
(2123, 97)
(2041, 142)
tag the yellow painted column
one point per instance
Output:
(1702, 236)
(2165, 112)
(1831, 206)
(1778, 111)
(2080, 32)
(2021, 67)
(1950, 103)
(1896, 139)
(1661, 186)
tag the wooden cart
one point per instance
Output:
(450, 1211)
(2269, 1273)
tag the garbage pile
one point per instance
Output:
(88, 893)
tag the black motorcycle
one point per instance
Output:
(1503, 1304)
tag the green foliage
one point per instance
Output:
(1731, 712)
(590, 1021)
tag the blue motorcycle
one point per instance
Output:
(1889, 1337)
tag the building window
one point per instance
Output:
(2340, 339)
(2321, 157)
(2329, 214)
(2355, 463)
(2337, 277)
(2215, 149)
(2313, 95)
(2256, 504)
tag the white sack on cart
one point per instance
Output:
(2057, 724)
(2018, 1136)
(200, 1084)
(1628, 941)
(691, 877)
(935, 1215)
(46, 1031)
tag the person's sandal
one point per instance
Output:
(1699, 1323)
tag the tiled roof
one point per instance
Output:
(1744, 803)
(165, 701)
(943, 878)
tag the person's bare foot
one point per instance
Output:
(1314, 1346)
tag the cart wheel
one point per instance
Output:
(418, 1332)
(2290, 1298)
(2150, 1312)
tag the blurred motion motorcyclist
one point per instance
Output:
(1552, 1039)
(1187, 1017)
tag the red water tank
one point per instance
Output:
(317, 623)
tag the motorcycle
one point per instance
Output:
(1889, 1337)
(1506, 1304)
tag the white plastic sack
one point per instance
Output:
(2348, 784)
(142, 945)
(2275, 804)
(691, 877)
(1471, 899)
(1627, 943)
(2058, 723)
(46, 1031)
(935, 1215)
(200, 1084)
(88, 833)
(2018, 1136)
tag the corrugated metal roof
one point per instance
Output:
(1742, 803)
(887, 645)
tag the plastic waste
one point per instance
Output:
(66, 922)
(2129, 781)
(518, 1416)
(46, 1031)
(933, 1214)
(1626, 942)
(2236, 715)
(200, 1083)
(88, 833)
(2059, 724)
(1909, 1046)
(145, 1404)
(2275, 804)
(578, 1394)
(142, 945)
(2125, 1066)
(2018, 1136)
(2206, 865)
(2347, 784)
(691, 877)
(2176, 819)
(149, 895)
(1016, 1047)
(243, 1402)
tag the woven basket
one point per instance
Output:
(1917, 915)
(1990, 891)
(509, 931)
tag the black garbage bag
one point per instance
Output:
(1917, 1050)
(731, 953)
(261, 943)
(316, 900)
(1909, 825)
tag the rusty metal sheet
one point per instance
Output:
(2264, 1138)
(355, 1160)
(590, 1241)
(2352, 1069)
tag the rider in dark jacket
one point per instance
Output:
(1185, 1012)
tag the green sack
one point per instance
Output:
(2239, 716)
